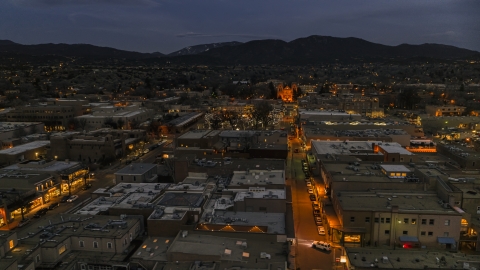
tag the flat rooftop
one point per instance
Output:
(184, 119)
(232, 250)
(170, 199)
(136, 169)
(395, 168)
(9, 126)
(392, 147)
(387, 258)
(169, 213)
(24, 147)
(153, 248)
(368, 133)
(63, 226)
(419, 202)
(274, 222)
(343, 148)
(325, 113)
(41, 165)
(196, 134)
(237, 133)
(257, 177)
(127, 196)
(264, 194)
(195, 187)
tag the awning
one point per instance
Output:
(446, 240)
(406, 238)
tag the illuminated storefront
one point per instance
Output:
(74, 179)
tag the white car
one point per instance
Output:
(146, 151)
(72, 198)
(321, 230)
(310, 191)
(321, 245)
(309, 184)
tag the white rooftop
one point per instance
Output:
(393, 147)
(131, 195)
(260, 194)
(258, 177)
(395, 168)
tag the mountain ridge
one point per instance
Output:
(196, 49)
(306, 50)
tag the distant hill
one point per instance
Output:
(203, 48)
(308, 50)
(6, 42)
(72, 50)
(315, 49)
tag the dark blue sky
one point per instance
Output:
(169, 25)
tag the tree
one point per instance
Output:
(81, 123)
(120, 123)
(232, 117)
(408, 98)
(134, 124)
(110, 123)
(260, 114)
(273, 90)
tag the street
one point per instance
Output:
(305, 227)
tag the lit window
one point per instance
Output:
(447, 222)
(62, 249)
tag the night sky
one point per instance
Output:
(169, 25)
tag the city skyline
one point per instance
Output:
(167, 26)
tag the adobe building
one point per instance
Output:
(444, 110)
(78, 242)
(55, 117)
(404, 219)
(212, 250)
(137, 173)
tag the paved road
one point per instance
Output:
(305, 227)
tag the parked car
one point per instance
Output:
(318, 221)
(307, 174)
(321, 245)
(310, 191)
(313, 197)
(305, 168)
(146, 151)
(296, 150)
(72, 198)
(53, 205)
(315, 205)
(65, 198)
(316, 211)
(321, 230)
(87, 186)
(23, 223)
(40, 213)
(309, 184)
